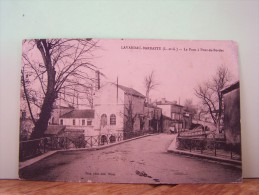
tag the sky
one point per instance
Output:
(178, 66)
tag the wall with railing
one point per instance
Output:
(32, 148)
(211, 147)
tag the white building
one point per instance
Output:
(79, 120)
(116, 109)
(175, 112)
(57, 112)
(114, 106)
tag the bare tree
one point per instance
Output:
(25, 94)
(188, 104)
(61, 67)
(150, 84)
(210, 94)
(201, 111)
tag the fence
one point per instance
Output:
(36, 147)
(209, 147)
(31, 148)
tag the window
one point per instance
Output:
(176, 116)
(89, 123)
(83, 122)
(61, 121)
(103, 120)
(173, 116)
(74, 122)
(113, 119)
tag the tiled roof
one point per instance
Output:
(68, 106)
(54, 129)
(164, 102)
(131, 91)
(167, 103)
(79, 114)
(152, 106)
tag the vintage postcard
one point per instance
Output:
(130, 111)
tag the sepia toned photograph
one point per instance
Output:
(130, 111)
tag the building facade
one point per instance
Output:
(78, 120)
(180, 118)
(232, 126)
(117, 109)
(58, 111)
(153, 117)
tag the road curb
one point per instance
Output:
(172, 149)
(36, 159)
(218, 159)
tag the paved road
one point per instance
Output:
(144, 160)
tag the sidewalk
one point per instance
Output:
(172, 148)
(38, 158)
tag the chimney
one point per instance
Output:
(163, 100)
(97, 80)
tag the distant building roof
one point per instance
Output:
(166, 102)
(231, 87)
(152, 106)
(54, 129)
(63, 107)
(79, 114)
(131, 91)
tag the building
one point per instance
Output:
(181, 118)
(166, 107)
(232, 126)
(153, 116)
(59, 110)
(167, 125)
(177, 113)
(118, 109)
(78, 120)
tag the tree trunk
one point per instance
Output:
(50, 96)
(45, 114)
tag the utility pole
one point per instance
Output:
(117, 89)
